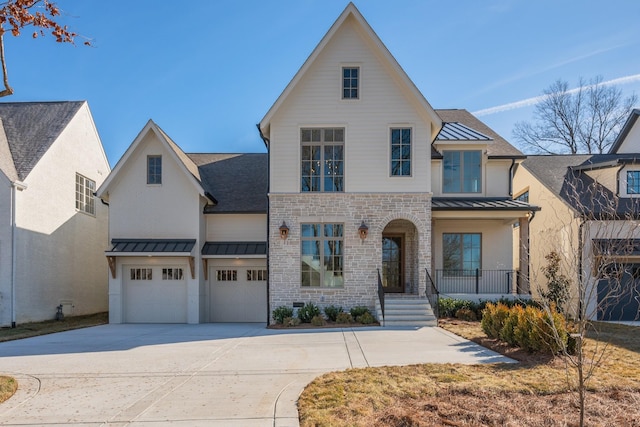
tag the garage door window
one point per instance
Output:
(227, 275)
(141, 274)
(256, 275)
(172, 274)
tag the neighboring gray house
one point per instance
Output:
(53, 232)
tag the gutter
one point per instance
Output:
(267, 144)
(15, 186)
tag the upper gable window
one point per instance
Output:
(85, 188)
(350, 82)
(154, 169)
(633, 182)
(401, 152)
(524, 197)
(462, 172)
(322, 159)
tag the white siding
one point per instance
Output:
(169, 210)
(237, 228)
(5, 251)
(316, 102)
(60, 251)
(631, 144)
(496, 241)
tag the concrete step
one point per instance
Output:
(406, 311)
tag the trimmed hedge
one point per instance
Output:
(530, 328)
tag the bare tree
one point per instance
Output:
(592, 243)
(570, 121)
(41, 15)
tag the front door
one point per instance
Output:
(392, 263)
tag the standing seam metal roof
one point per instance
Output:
(152, 245)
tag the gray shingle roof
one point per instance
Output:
(234, 248)
(499, 147)
(31, 128)
(238, 182)
(566, 177)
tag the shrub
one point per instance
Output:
(493, 319)
(291, 321)
(510, 325)
(332, 312)
(318, 320)
(366, 319)
(358, 311)
(308, 312)
(344, 318)
(466, 314)
(282, 312)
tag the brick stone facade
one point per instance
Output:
(409, 214)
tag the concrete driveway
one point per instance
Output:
(199, 375)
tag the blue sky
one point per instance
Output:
(207, 71)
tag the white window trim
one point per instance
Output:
(390, 155)
(84, 188)
(340, 88)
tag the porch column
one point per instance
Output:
(523, 279)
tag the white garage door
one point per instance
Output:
(238, 294)
(155, 294)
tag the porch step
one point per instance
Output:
(406, 310)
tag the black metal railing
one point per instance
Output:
(381, 293)
(475, 281)
(433, 295)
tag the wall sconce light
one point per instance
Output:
(284, 231)
(363, 230)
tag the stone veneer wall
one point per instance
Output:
(361, 258)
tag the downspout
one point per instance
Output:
(15, 186)
(581, 285)
(618, 180)
(513, 164)
(267, 144)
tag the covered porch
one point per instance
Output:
(480, 247)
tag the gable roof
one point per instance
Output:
(624, 132)
(237, 181)
(459, 119)
(28, 131)
(566, 177)
(184, 162)
(350, 11)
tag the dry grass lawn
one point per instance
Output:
(8, 385)
(534, 392)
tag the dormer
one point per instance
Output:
(469, 159)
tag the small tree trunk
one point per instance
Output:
(7, 89)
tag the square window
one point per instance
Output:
(462, 172)
(462, 253)
(154, 169)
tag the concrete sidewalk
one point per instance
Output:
(200, 375)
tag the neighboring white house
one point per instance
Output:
(591, 217)
(364, 184)
(54, 232)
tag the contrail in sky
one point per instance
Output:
(533, 101)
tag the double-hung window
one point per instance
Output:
(350, 82)
(322, 159)
(322, 255)
(401, 152)
(85, 188)
(462, 253)
(462, 172)
(633, 182)
(154, 169)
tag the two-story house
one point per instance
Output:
(53, 232)
(591, 218)
(366, 190)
